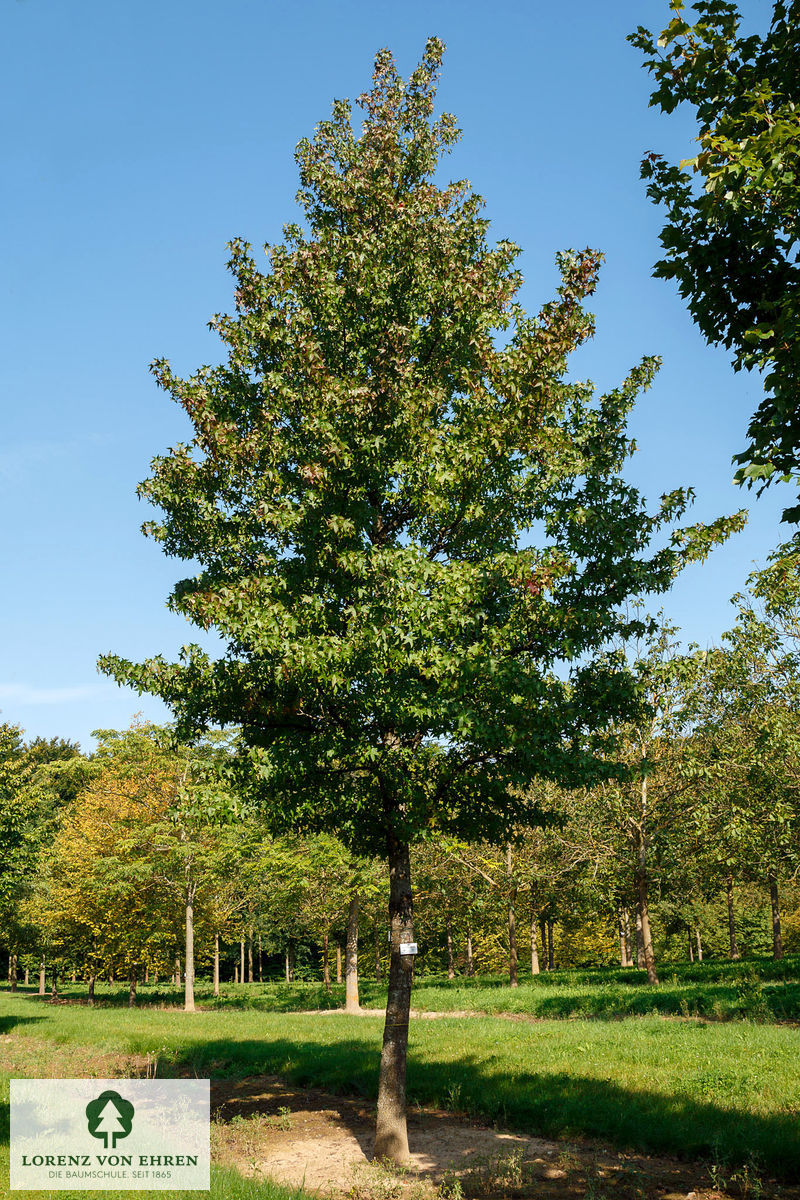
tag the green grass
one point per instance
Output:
(691, 1088)
(759, 989)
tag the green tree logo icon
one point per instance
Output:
(110, 1118)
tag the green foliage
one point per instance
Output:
(733, 210)
(364, 477)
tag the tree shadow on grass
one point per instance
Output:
(558, 1104)
(7, 1023)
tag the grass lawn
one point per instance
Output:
(686, 1087)
(759, 989)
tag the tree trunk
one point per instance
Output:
(188, 977)
(351, 959)
(177, 970)
(391, 1139)
(54, 992)
(512, 920)
(90, 991)
(132, 989)
(250, 976)
(147, 974)
(241, 960)
(42, 976)
(626, 927)
(326, 966)
(734, 946)
(260, 961)
(338, 963)
(534, 946)
(451, 970)
(543, 940)
(26, 977)
(643, 912)
(639, 941)
(691, 947)
(286, 967)
(236, 973)
(216, 964)
(470, 959)
(74, 976)
(777, 939)
(13, 974)
(624, 944)
(699, 943)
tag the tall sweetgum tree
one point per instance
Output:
(412, 529)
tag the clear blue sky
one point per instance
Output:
(139, 138)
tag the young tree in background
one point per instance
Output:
(733, 210)
(365, 473)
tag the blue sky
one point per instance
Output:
(140, 138)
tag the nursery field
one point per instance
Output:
(694, 1087)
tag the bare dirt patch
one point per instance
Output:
(322, 1142)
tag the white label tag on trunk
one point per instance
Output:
(408, 947)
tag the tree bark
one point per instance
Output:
(326, 966)
(241, 960)
(734, 945)
(391, 1139)
(642, 910)
(626, 926)
(777, 938)
(188, 978)
(216, 964)
(338, 963)
(90, 991)
(42, 976)
(286, 967)
(451, 970)
(543, 939)
(236, 973)
(260, 961)
(512, 920)
(250, 976)
(26, 977)
(177, 970)
(534, 946)
(698, 943)
(351, 959)
(624, 936)
(640, 941)
(132, 989)
(470, 959)
(13, 974)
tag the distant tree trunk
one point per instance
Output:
(90, 991)
(351, 960)
(391, 1140)
(260, 961)
(777, 939)
(338, 963)
(470, 959)
(74, 975)
(639, 941)
(241, 959)
(326, 966)
(551, 962)
(147, 974)
(699, 943)
(534, 946)
(42, 976)
(286, 965)
(177, 970)
(12, 973)
(451, 970)
(378, 971)
(236, 973)
(188, 978)
(512, 919)
(250, 976)
(111, 975)
(54, 991)
(543, 939)
(734, 946)
(643, 911)
(26, 977)
(132, 989)
(691, 947)
(216, 964)
(624, 937)
(626, 925)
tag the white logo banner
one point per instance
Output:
(110, 1134)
